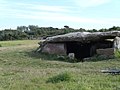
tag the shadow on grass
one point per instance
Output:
(97, 58)
(64, 58)
(50, 57)
(43, 56)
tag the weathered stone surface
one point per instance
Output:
(92, 42)
(71, 56)
(54, 48)
(107, 51)
(117, 43)
(84, 37)
(111, 71)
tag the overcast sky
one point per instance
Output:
(86, 14)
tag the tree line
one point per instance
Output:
(36, 32)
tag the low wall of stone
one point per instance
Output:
(54, 48)
(107, 51)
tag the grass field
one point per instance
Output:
(16, 43)
(23, 69)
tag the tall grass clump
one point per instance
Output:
(62, 77)
(117, 54)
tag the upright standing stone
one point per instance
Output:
(117, 44)
(54, 48)
(71, 56)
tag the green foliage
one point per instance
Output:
(117, 54)
(35, 32)
(60, 78)
(97, 58)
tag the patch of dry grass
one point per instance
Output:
(21, 69)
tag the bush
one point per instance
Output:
(99, 58)
(60, 78)
(117, 54)
(0, 45)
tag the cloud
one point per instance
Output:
(32, 7)
(54, 14)
(51, 14)
(30, 10)
(2, 1)
(90, 3)
(50, 8)
(65, 18)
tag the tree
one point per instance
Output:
(22, 28)
(66, 26)
(33, 27)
